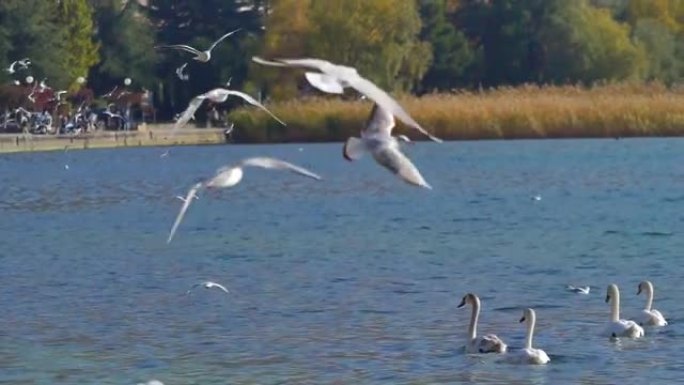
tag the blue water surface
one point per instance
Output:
(351, 280)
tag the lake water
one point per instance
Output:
(351, 280)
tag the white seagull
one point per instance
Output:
(377, 139)
(23, 64)
(335, 78)
(217, 95)
(578, 289)
(229, 176)
(179, 72)
(208, 285)
(201, 56)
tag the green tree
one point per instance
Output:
(28, 29)
(663, 49)
(379, 38)
(586, 44)
(126, 40)
(452, 54)
(199, 24)
(79, 51)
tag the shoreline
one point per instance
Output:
(146, 136)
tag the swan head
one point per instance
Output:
(644, 286)
(469, 298)
(528, 314)
(612, 291)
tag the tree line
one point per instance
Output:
(417, 46)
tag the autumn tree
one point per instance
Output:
(380, 38)
(287, 27)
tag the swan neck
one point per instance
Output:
(615, 305)
(474, 316)
(649, 297)
(531, 321)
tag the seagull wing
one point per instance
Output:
(188, 199)
(218, 286)
(189, 112)
(181, 47)
(325, 83)
(385, 101)
(278, 164)
(254, 102)
(317, 64)
(222, 38)
(394, 160)
(379, 123)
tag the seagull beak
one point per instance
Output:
(463, 302)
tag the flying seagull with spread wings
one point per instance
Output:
(201, 56)
(217, 95)
(230, 176)
(334, 78)
(377, 139)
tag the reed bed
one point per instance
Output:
(621, 110)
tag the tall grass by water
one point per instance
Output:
(618, 110)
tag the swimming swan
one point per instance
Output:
(529, 355)
(485, 344)
(619, 327)
(649, 316)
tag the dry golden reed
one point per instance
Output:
(619, 110)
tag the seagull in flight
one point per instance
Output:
(334, 78)
(179, 72)
(110, 93)
(229, 176)
(208, 285)
(217, 95)
(377, 139)
(201, 56)
(23, 64)
(578, 289)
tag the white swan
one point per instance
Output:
(484, 344)
(619, 327)
(649, 316)
(529, 355)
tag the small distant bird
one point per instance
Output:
(110, 93)
(230, 80)
(183, 198)
(578, 289)
(23, 64)
(201, 56)
(536, 197)
(217, 95)
(229, 130)
(335, 78)
(179, 72)
(164, 154)
(229, 176)
(43, 86)
(208, 285)
(377, 139)
(151, 382)
(17, 83)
